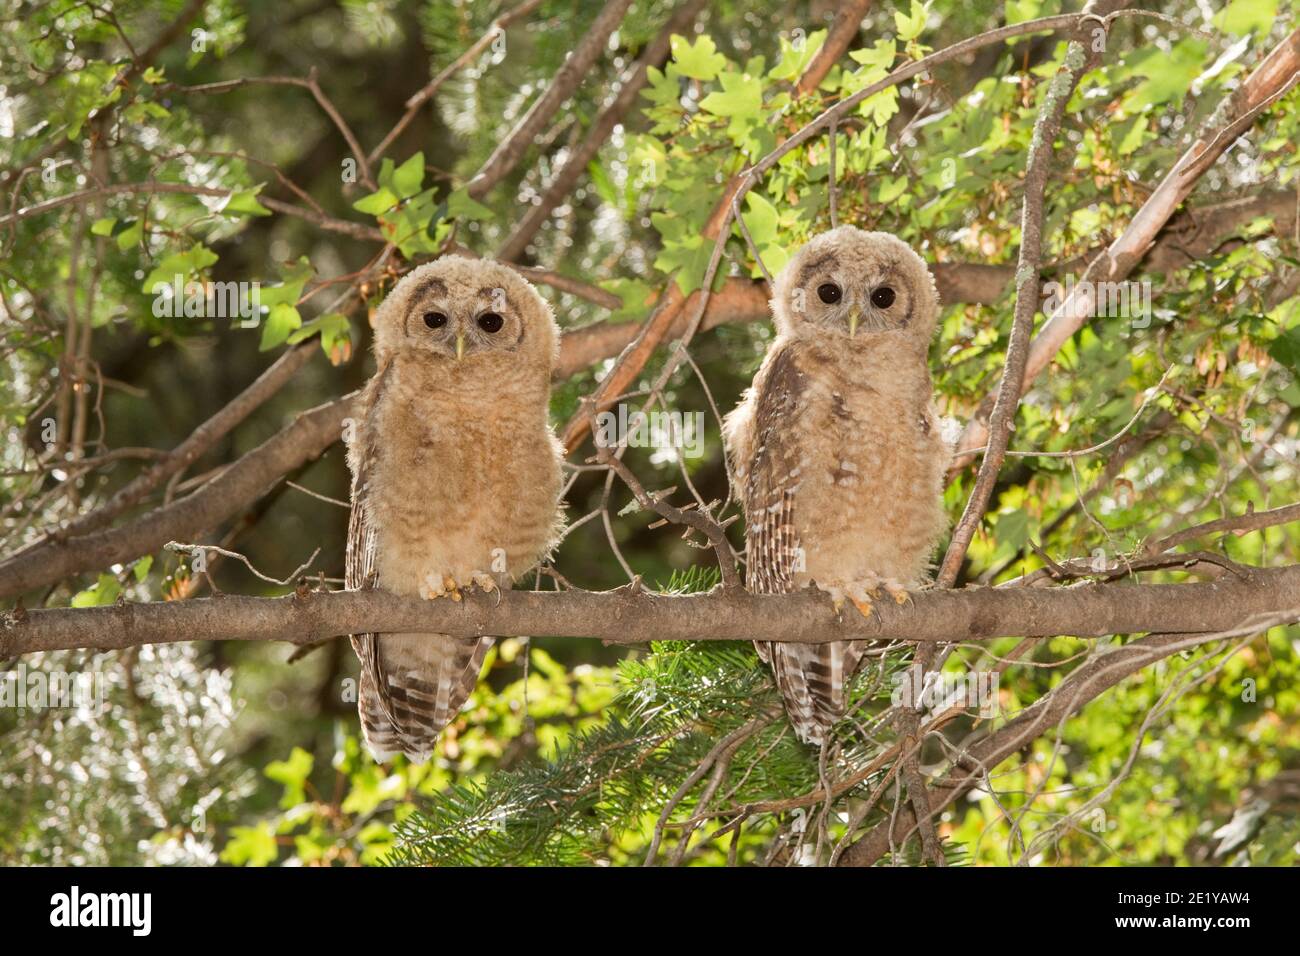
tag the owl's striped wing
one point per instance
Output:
(772, 547)
(811, 677)
(360, 571)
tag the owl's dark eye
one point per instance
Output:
(490, 322)
(829, 293)
(883, 297)
(435, 320)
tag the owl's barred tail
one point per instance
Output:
(426, 679)
(812, 679)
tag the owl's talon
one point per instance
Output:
(438, 586)
(837, 597)
(486, 583)
(863, 605)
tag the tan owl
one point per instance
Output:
(455, 478)
(836, 449)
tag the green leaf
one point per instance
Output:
(408, 177)
(699, 60)
(1019, 11)
(244, 203)
(792, 62)
(104, 591)
(131, 235)
(187, 264)
(461, 206)
(740, 100)
(878, 58)
(1169, 74)
(280, 323)
(1286, 349)
(293, 774)
(141, 568)
(910, 25)
(689, 258)
(251, 846)
(763, 221)
(141, 111)
(377, 202)
(881, 106)
(289, 291)
(370, 788)
(891, 187)
(661, 90)
(637, 296)
(1012, 529)
(335, 336)
(1133, 137)
(85, 91)
(1247, 16)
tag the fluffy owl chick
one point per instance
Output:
(836, 449)
(455, 478)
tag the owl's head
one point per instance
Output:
(466, 311)
(856, 285)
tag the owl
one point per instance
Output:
(836, 449)
(455, 478)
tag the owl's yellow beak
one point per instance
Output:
(460, 345)
(854, 317)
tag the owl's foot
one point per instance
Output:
(865, 592)
(436, 586)
(483, 581)
(863, 598)
(486, 583)
(859, 594)
(896, 591)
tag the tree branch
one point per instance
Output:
(576, 164)
(566, 80)
(219, 500)
(1086, 683)
(282, 371)
(1114, 265)
(631, 615)
(425, 93)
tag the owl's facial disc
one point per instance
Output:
(462, 326)
(838, 300)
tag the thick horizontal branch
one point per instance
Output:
(629, 616)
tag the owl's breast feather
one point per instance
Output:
(461, 484)
(871, 475)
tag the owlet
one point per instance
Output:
(455, 478)
(837, 451)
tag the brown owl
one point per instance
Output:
(836, 449)
(455, 478)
